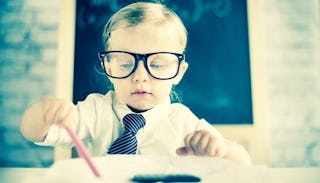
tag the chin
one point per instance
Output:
(144, 107)
(140, 107)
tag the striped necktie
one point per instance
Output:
(127, 143)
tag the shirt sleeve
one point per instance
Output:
(85, 126)
(56, 136)
(189, 122)
(59, 136)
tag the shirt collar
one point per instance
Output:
(151, 116)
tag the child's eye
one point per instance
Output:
(126, 66)
(155, 66)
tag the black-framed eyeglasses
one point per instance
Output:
(160, 65)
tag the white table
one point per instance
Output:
(120, 168)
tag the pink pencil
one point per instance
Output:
(82, 151)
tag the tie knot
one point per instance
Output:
(133, 122)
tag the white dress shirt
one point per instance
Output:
(99, 124)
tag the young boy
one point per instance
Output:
(144, 45)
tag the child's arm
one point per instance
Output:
(39, 117)
(204, 143)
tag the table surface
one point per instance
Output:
(283, 175)
(116, 171)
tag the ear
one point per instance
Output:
(183, 68)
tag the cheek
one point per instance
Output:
(164, 88)
(120, 87)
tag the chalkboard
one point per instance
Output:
(217, 85)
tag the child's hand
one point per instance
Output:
(57, 111)
(39, 117)
(203, 143)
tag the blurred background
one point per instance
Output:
(280, 71)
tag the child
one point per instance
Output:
(144, 58)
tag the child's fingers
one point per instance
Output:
(187, 139)
(186, 150)
(182, 151)
(216, 147)
(65, 113)
(199, 142)
(50, 108)
(212, 146)
(195, 141)
(203, 144)
(57, 111)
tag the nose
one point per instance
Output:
(140, 74)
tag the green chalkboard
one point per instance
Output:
(217, 85)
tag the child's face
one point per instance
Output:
(140, 90)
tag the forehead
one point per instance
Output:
(144, 38)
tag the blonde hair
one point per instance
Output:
(147, 13)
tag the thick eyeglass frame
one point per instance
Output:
(138, 57)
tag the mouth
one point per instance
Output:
(140, 92)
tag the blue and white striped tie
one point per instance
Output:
(127, 143)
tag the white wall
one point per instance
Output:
(291, 58)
